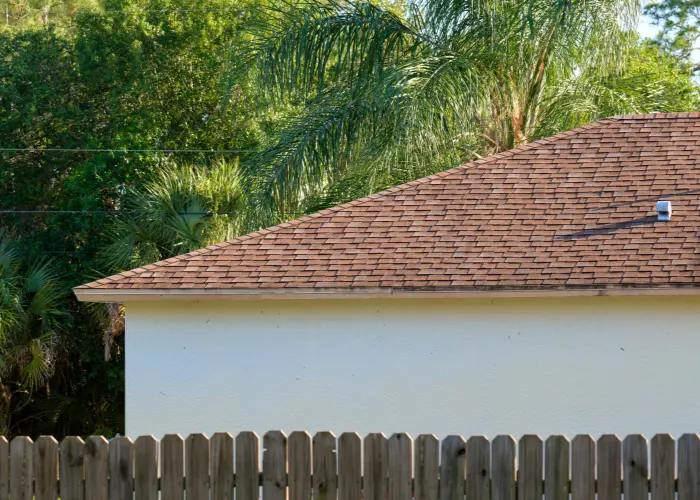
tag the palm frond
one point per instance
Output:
(409, 115)
(306, 46)
(308, 153)
(584, 99)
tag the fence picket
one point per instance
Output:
(530, 468)
(299, 466)
(4, 468)
(478, 468)
(96, 468)
(325, 467)
(427, 467)
(46, 469)
(689, 467)
(121, 469)
(146, 468)
(452, 468)
(663, 467)
(247, 466)
(609, 467)
(636, 468)
(556, 460)
(197, 467)
(21, 468)
(503, 468)
(400, 466)
(172, 467)
(274, 470)
(72, 464)
(583, 468)
(221, 456)
(349, 466)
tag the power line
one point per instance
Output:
(56, 252)
(137, 11)
(102, 212)
(96, 150)
(116, 212)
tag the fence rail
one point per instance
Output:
(300, 467)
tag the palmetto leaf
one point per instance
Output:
(37, 362)
(44, 297)
(39, 276)
(129, 244)
(182, 209)
(10, 286)
(9, 258)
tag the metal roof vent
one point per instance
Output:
(663, 208)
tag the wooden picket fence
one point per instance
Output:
(300, 467)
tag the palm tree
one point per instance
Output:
(31, 317)
(182, 209)
(390, 94)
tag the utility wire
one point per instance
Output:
(95, 150)
(55, 252)
(136, 11)
(102, 212)
(115, 212)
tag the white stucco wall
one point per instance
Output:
(467, 366)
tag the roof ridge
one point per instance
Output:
(653, 116)
(359, 201)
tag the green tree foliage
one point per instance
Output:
(44, 103)
(160, 69)
(33, 13)
(653, 80)
(389, 98)
(141, 75)
(679, 21)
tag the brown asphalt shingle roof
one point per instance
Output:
(576, 210)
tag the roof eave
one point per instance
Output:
(177, 294)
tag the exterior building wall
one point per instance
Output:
(459, 366)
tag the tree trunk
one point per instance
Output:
(5, 409)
